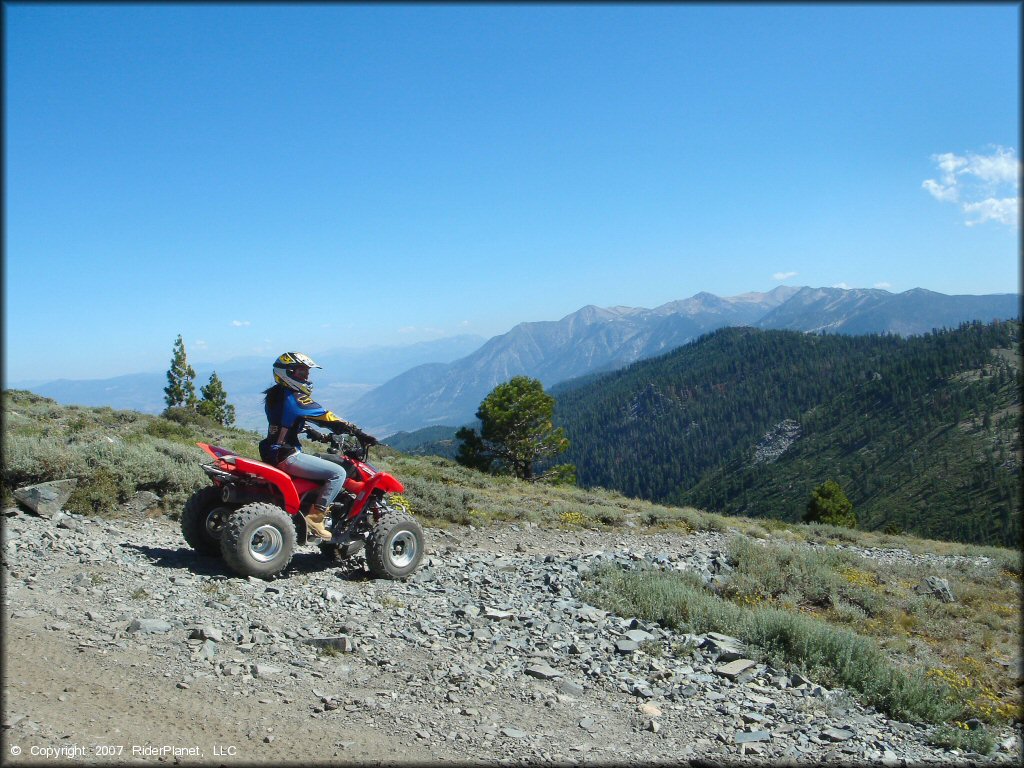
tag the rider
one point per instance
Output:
(288, 405)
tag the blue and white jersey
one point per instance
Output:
(290, 410)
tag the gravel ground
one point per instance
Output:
(124, 646)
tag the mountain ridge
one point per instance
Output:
(444, 382)
(595, 340)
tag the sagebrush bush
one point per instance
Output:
(802, 576)
(168, 430)
(32, 459)
(190, 417)
(438, 502)
(97, 495)
(605, 515)
(959, 736)
(834, 655)
(108, 473)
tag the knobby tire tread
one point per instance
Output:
(234, 544)
(376, 552)
(193, 520)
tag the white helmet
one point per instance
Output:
(285, 366)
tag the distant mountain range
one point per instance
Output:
(594, 340)
(922, 432)
(346, 374)
(391, 389)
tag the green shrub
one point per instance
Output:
(169, 429)
(961, 737)
(685, 518)
(99, 494)
(437, 501)
(605, 514)
(834, 655)
(1009, 560)
(190, 417)
(798, 576)
(39, 459)
(436, 470)
(109, 468)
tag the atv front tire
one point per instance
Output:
(258, 540)
(395, 546)
(202, 520)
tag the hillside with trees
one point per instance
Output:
(836, 604)
(596, 340)
(921, 433)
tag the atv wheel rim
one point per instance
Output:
(215, 522)
(266, 543)
(403, 548)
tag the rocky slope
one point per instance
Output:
(122, 645)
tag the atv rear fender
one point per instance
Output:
(290, 487)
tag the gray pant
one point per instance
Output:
(332, 475)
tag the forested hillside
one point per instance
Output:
(429, 441)
(922, 433)
(595, 340)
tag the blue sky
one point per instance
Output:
(263, 177)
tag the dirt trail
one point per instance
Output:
(89, 702)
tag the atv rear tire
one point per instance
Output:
(395, 546)
(258, 540)
(203, 519)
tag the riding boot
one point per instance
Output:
(315, 522)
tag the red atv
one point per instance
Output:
(251, 515)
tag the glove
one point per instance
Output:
(366, 439)
(317, 436)
(281, 451)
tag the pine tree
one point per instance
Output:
(214, 402)
(180, 390)
(828, 504)
(472, 453)
(516, 429)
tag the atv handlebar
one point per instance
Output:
(340, 445)
(316, 435)
(360, 453)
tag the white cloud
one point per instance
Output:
(240, 323)
(947, 194)
(1001, 167)
(844, 286)
(199, 344)
(883, 285)
(1005, 211)
(780, 276)
(950, 164)
(985, 186)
